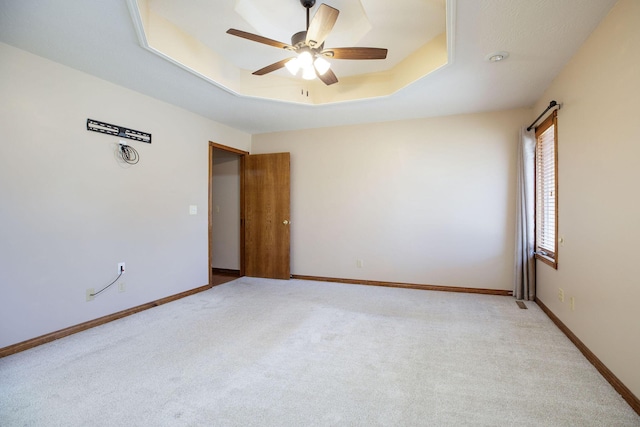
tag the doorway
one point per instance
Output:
(249, 214)
(226, 231)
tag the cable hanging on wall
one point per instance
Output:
(94, 294)
(128, 154)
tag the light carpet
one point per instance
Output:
(257, 352)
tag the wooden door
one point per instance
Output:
(266, 221)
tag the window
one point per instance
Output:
(547, 191)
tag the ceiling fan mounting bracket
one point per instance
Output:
(308, 3)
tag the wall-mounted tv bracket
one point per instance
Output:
(122, 132)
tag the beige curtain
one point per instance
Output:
(525, 268)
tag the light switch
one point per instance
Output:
(217, 209)
(193, 210)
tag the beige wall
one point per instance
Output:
(69, 212)
(423, 201)
(599, 207)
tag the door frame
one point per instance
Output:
(242, 154)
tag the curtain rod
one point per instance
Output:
(551, 105)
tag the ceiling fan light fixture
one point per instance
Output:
(305, 59)
(308, 73)
(293, 66)
(322, 65)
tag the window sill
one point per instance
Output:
(547, 260)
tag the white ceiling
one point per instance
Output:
(98, 37)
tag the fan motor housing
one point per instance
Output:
(308, 3)
(299, 39)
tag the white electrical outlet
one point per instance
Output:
(121, 267)
(90, 295)
(121, 287)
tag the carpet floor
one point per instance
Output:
(255, 352)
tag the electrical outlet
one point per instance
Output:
(121, 267)
(561, 294)
(573, 303)
(90, 295)
(359, 263)
(121, 287)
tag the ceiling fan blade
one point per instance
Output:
(355, 53)
(273, 67)
(321, 25)
(257, 38)
(328, 77)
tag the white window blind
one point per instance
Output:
(546, 189)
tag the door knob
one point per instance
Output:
(285, 222)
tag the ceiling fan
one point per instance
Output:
(309, 47)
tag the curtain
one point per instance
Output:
(525, 266)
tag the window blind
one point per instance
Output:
(546, 188)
